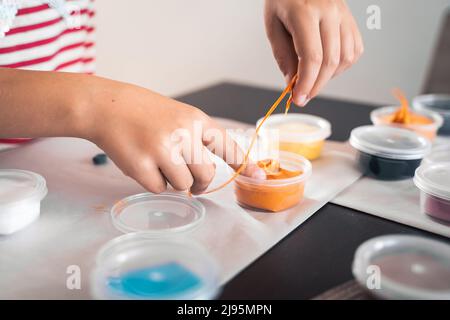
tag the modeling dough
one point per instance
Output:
(404, 115)
(161, 281)
(273, 170)
(271, 196)
(287, 90)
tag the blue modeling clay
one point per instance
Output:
(158, 282)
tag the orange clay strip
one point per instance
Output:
(404, 115)
(274, 171)
(287, 90)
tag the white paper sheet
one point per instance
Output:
(393, 200)
(75, 219)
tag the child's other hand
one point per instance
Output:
(155, 140)
(317, 39)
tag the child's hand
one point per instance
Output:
(317, 39)
(141, 130)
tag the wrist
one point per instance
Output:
(86, 106)
(97, 108)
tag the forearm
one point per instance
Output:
(44, 104)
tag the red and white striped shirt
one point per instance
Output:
(40, 37)
(46, 35)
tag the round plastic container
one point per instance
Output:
(403, 267)
(439, 153)
(433, 180)
(21, 193)
(388, 153)
(138, 267)
(275, 195)
(298, 133)
(157, 215)
(379, 117)
(439, 103)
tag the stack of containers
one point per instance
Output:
(433, 180)
(433, 176)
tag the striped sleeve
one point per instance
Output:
(40, 38)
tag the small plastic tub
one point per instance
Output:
(388, 153)
(21, 193)
(433, 180)
(275, 195)
(302, 134)
(138, 267)
(380, 116)
(403, 267)
(439, 103)
(439, 153)
(158, 215)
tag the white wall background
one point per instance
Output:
(174, 46)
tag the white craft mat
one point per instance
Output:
(392, 200)
(75, 218)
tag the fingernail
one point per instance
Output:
(307, 101)
(301, 100)
(259, 174)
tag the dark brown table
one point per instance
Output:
(317, 256)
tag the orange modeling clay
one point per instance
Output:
(404, 115)
(281, 190)
(274, 171)
(287, 90)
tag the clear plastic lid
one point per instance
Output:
(439, 153)
(389, 142)
(404, 267)
(434, 179)
(436, 102)
(157, 214)
(136, 266)
(19, 185)
(295, 127)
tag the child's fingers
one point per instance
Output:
(222, 145)
(308, 45)
(347, 49)
(176, 172)
(329, 30)
(202, 169)
(147, 174)
(282, 46)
